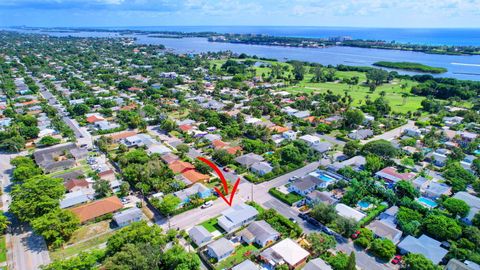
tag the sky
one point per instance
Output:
(356, 13)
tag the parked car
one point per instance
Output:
(226, 169)
(207, 204)
(355, 235)
(397, 259)
(292, 220)
(328, 231)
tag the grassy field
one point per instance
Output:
(393, 90)
(95, 242)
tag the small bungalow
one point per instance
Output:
(317, 196)
(472, 201)
(237, 216)
(220, 249)
(348, 212)
(427, 246)
(261, 168)
(199, 235)
(98, 208)
(317, 264)
(385, 230)
(287, 252)
(259, 232)
(128, 216)
(390, 174)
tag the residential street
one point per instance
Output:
(190, 218)
(389, 135)
(26, 250)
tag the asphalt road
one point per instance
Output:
(390, 135)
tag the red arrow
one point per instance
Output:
(224, 181)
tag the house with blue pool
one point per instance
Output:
(196, 189)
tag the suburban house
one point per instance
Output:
(192, 177)
(357, 163)
(287, 252)
(385, 230)
(360, 134)
(196, 189)
(158, 148)
(472, 201)
(305, 185)
(455, 264)
(310, 139)
(390, 215)
(59, 157)
(348, 212)
(317, 264)
(75, 198)
(289, 135)
(200, 235)
(169, 158)
(435, 190)
(98, 208)
(249, 159)
(128, 216)
(259, 232)
(261, 168)
(179, 166)
(220, 249)
(427, 246)
(246, 265)
(76, 185)
(390, 174)
(237, 216)
(317, 196)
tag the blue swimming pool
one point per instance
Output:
(427, 202)
(364, 204)
(477, 152)
(325, 177)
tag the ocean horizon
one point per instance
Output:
(425, 36)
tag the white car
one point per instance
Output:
(207, 204)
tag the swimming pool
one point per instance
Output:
(325, 177)
(427, 202)
(477, 152)
(364, 204)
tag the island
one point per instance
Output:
(411, 66)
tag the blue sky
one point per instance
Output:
(359, 13)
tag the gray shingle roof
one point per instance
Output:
(221, 247)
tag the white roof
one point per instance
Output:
(348, 212)
(290, 251)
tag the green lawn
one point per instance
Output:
(3, 249)
(239, 255)
(77, 248)
(289, 198)
(211, 225)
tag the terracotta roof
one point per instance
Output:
(97, 208)
(279, 129)
(70, 184)
(106, 173)
(185, 127)
(134, 89)
(194, 176)
(219, 144)
(234, 150)
(310, 119)
(31, 102)
(179, 166)
(93, 119)
(122, 135)
(129, 107)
